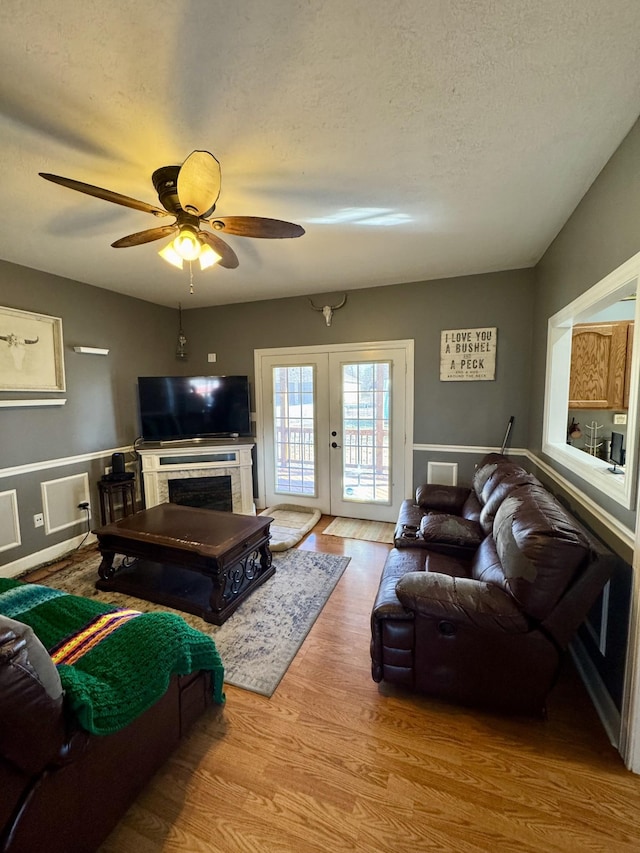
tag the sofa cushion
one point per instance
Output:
(489, 464)
(450, 530)
(446, 564)
(486, 565)
(539, 546)
(497, 488)
(481, 475)
(471, 508)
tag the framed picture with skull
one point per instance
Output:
(31, 356)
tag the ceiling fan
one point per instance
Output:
(189, 193)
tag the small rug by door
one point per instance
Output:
(290, 523)
(355, 528)
(258, 642)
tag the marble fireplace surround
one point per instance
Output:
(162, 462)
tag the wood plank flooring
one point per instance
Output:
(335, 762)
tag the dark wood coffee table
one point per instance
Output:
(198, 560)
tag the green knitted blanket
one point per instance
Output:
(113, 663)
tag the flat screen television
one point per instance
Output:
(187, 407)
(616, 453)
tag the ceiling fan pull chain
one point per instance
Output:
(190, 277)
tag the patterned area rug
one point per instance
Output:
(290, 523)
(259, 641)
(355, 528)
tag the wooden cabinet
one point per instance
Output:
(600, 365)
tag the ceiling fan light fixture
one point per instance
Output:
(189, 193)
(208, 257)
(187, 244)
(170, 255)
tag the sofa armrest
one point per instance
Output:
(32, 723)
(437, 498)
(461, 601)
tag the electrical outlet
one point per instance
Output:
(38, 520)
(620, 419)
(211, 357)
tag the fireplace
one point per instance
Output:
(203, 492)
(194, 463)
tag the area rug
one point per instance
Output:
(259, 641)
(355, 528)
(290, 523)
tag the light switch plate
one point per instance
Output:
(211, 357)
(620, 419)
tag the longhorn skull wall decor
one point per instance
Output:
(31, 351)
(328, 310)
(17, 347)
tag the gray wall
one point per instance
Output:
(602, 233)
(468, 413)
(100, 412)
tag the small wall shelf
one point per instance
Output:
(91, 350)
(14, 404)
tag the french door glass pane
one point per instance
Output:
(294, 418)
(366, 432)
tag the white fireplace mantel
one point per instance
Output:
(162, 462)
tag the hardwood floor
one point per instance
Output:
(335, 762)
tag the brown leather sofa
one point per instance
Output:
(483, 614)
(62, 789)
(455, 519)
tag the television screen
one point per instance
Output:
(616, 453)
(180, 407)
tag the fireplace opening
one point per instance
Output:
(202, 492)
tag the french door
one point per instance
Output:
(334, 427)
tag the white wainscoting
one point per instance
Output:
(442, 473)
(9, 520)
(60, 499)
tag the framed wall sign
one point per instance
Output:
(468, 355)
(31, 356)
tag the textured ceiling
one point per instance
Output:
(413, 140)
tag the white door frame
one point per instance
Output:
(260, 354)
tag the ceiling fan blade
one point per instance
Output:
(145, 236)
(257, 226)
(228, 258)
(107, 195)
(199, 183)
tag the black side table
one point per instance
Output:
(125, 490)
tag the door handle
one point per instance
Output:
(333, 444)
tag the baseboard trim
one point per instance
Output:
(47, 555)
(595, 686)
